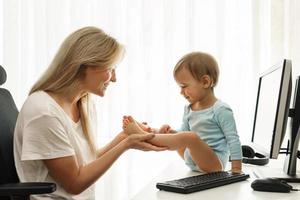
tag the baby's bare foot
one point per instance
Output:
(130, 126)
(144, 126)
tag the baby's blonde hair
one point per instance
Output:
(199, 64)
(88, 46)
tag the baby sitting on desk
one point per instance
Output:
(208, 133)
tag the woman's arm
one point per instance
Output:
(121, 136)
(75, 179)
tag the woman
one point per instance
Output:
(54, 136)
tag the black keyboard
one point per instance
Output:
(201, 182)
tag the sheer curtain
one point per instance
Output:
(244, 36)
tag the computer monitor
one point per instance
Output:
(272, 112)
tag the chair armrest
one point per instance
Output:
(26, 188)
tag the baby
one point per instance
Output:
(208, 134)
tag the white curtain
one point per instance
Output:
(245, 37)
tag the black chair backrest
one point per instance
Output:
(8, 117)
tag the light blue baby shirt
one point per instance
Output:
(215, 126)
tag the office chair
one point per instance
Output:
(10, 186)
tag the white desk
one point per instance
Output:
(239, 190)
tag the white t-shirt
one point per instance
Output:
(44, 131)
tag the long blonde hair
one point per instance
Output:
(88, 46)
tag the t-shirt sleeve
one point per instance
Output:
(45, 137)
(184, 125)
(226, 122)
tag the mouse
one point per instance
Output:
(271, 185)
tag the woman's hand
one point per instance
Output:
(139, 141)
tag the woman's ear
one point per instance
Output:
(206, 81)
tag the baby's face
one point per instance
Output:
(191, 89)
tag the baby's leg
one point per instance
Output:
(181, 152)
(201, 153)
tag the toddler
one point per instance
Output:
(208, 134)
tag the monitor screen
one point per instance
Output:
(272, 108)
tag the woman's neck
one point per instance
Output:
(69, 103)
(70, 98)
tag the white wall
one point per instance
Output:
(270, 31)
(294, 30)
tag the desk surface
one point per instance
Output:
(240, 190)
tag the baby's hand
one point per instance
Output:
(236, 166)
(164, 129)
(236, 171)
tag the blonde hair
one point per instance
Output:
(199, 64)
(88, 46)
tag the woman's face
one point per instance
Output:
(97, 80)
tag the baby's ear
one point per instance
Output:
(206, 81)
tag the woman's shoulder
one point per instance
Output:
(37, 99)
(38, 95)
(38, 103)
